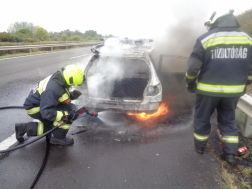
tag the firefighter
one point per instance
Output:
(48, 102)
(221, 60)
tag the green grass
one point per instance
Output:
(229, 180)
(240, 117)
(245, 184)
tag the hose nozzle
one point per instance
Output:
(94, 114)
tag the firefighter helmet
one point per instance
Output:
(215, 16)
(73, 75)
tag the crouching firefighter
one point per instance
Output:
(222, 62)
(49, 102)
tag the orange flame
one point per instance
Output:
(162, 110)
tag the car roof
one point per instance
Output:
(124, 47)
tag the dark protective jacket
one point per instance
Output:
(221, 60)
(47, 95)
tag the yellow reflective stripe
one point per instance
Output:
(221, 88)
(226, 41)
(66, 126)
(42, 84)
(63, 97)
(225, 34)
(191, 77)
(40, 130)
(59, 116)
(230, 139)
(250, 77)
(201, 137)
(67, 91)
(33, 110)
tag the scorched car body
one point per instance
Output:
(120, 76)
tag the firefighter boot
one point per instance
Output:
(61, 141)
(230, 158)
(199, 150)
(20, 129)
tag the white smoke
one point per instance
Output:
(101, 76)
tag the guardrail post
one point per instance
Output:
(247, 128)
(30, 50)
(51, 48)
(245, 105)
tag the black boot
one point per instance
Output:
(230, 158)
(20, 129)
(61, 141)
(199, 150)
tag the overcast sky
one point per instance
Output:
(131, 18)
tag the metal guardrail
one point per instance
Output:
(245, 105)
(5, 48)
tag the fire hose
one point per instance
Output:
(79, 111)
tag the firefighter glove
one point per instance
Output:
(191, 87)
(71, 117)
(75, 94)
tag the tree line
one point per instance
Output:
(245, 20)
(28, 32)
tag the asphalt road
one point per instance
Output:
(116, 152)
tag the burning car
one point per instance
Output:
(121, 76)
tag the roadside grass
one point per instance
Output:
(245, 171)
(36, 51)
(238, 175)
(229, 179)
(245, 184)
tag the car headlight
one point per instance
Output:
(154, 90)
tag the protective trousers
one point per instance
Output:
(38, 128)
(204, 108)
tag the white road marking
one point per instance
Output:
(80, 56)
(8, 142)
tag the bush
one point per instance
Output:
(55, 38)
(41, 34)
(75, 38)
(64, 37)
(24, 32)
(245, 19)
(7, 37)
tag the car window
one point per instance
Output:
(106, 72)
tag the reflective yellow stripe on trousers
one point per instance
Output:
(33, 110)
(66, 126)
(230, 139)
(221, 88)
(201, 137)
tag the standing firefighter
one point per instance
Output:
(48, 102)
(222, 62)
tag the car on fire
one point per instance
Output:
(121, 77)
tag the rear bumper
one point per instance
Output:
(149, 108)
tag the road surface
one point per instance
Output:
(121, 154)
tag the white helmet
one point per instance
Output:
(215, 16)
